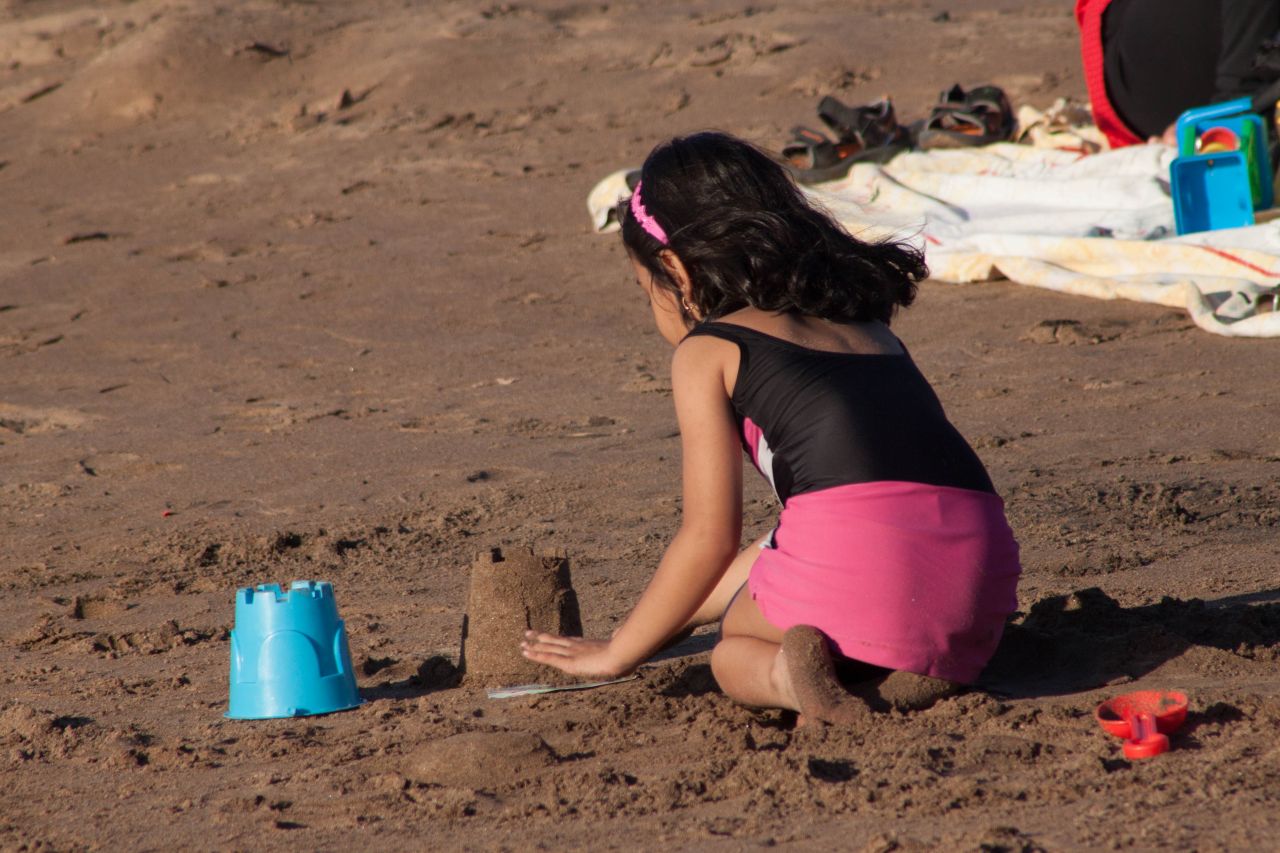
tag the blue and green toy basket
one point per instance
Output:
(1222, 189)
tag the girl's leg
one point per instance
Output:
(713, 609)
(745, 660)
(759, 665)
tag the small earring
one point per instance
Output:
(688, 309)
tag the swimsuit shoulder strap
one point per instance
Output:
(725, 331)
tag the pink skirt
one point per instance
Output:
(900, 575)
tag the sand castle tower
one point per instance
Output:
(511, 593)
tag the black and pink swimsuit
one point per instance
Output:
(891, 539)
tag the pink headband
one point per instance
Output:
(647, 222)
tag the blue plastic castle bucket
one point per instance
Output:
(289, 653)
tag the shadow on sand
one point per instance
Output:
(1071, 643)
(433, 674)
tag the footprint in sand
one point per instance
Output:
(260, 416)
(645, 382)
(15, 497)
(112, 463)
(1072, 332)
(1069, 332)
(23, 420)
(740, 49)
(98, 607)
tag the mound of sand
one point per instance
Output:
(479, 760)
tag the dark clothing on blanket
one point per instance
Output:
(1161, 57)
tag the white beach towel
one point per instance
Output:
(1098, 225)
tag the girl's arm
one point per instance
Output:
(710, 530)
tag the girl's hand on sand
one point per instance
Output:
(574, 655)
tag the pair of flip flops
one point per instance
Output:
(960, 119)
(865, 134)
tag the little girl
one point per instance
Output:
(892, 547)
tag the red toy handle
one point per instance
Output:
(1144, 741)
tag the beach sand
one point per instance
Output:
(308, 290)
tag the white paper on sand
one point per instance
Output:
(538, 689)
(1097, 225)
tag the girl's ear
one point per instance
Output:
(675, 269)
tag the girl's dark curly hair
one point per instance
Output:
(748, 237)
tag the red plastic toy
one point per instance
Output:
(1144, 719)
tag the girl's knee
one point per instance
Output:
(729, 658)
(719, 662)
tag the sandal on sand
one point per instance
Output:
(868, 134)
(962, 119)
(812, 157)
(874, 124)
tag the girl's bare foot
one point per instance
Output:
(804, 673)
(907, 691)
